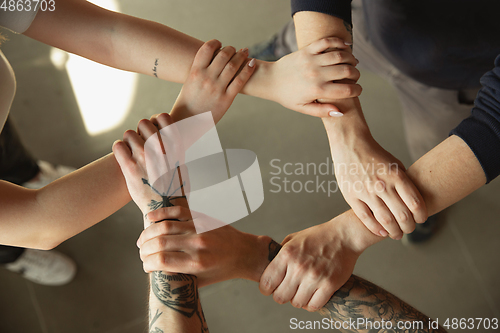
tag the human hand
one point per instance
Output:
(313, 264)
(214, 256)
(139, 166)
(374, 183)
(213, 82)
(324, 70)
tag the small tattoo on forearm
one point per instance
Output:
(155, 68)
(274, 248)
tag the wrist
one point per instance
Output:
(260, 83)
(355, 236)
(348, 131)
(256, 257)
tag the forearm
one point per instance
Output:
(126, 42)
(369, 306)
(312, 26)
(46, 217)
(117, 40)
(174, 304)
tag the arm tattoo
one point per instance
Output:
(359, 298)
(153, 320)
(349, 30)
(155, 68)
(183, 299)
(274, 248)
(178, 292)
(167, 197)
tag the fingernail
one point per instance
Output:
(348, 43)
(335, 114)
(383, 233)
(245, 50)
(357, 61)
(251, 63)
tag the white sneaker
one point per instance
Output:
(48, 173)
(50, 268)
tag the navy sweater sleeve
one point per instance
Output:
(481, 131)
(337, 8)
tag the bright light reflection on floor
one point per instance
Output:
(104, 95)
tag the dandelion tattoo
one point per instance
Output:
(167, 197)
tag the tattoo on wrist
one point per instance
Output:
(274, 248)
(183, 299)
(349, 30)
(167, 197)
(155, 68)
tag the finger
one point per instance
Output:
(134, 141)
(205, 54)
(165, 243)
(122, 152)
(221, 60)
(321, 110)
(365, 215)
(146, 129)
(178, 262)
(385, 218)
(232, 67)
(287, 289)
(163, 120)
(319, 299)
(170, 213)
(337, 90)
(325, 44)
(340, 72)
(272, 277)
(413, 200)
(337, 57)
(398, 208)
(165, 228)
(241, 79)
(303, 294)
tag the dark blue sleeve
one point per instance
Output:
(337, 8)
(481, 131)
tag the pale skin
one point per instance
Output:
(443, 176)
(383, 197)
(134, 44)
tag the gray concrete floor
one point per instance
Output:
(455, 275)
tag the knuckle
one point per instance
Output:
(161, 260)
(278, 299)
(231, 66)
(238, 82)
(175, 211)
(404, 216)
(161, 243)
(346, 90)
(385, 220)
(337, 56)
